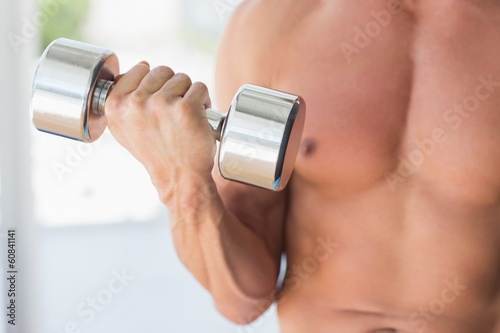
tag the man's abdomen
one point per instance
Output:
(385, 260)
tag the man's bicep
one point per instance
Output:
(262, 211)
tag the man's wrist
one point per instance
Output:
(191, 192)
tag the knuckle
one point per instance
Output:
(161, 100)
(183, 77)
(185, 106)
(200, 86)
(136, 98)
(164, 71)
(160, 75)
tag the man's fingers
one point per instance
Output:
(141, 83)
(176, 87)
(154, 80)
(198, 95)
(127, 83)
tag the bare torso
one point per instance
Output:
(394, 215)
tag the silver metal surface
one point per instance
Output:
(216, 121)
(261, 137)
(102, 89)
(63, 89)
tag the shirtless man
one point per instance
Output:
(391, 222)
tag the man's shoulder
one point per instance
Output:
(245, 45)
(258, 28)
(251, 18)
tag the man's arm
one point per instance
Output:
(228, 235)
(243, 283)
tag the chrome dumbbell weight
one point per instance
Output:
(259, 135)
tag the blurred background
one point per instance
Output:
(94, 252)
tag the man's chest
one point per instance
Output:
(405, 107)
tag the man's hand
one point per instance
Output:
(160, 118)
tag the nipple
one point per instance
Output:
(308, 147)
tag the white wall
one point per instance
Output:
(16, 196)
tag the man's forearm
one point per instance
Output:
(228, 258)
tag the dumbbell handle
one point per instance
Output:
(103, 88)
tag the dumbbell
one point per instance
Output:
(259, 136)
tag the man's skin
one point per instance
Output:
(391, 222)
